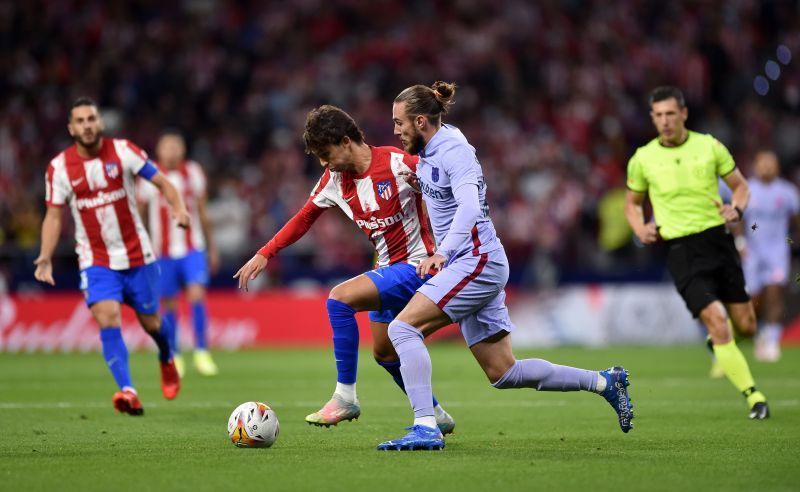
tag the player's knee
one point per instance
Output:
(106, 316)
(340, 293)
(150, 322)
(195, 293)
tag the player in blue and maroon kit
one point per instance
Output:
(473, 271)
(369, 185)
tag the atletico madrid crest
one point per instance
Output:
(385, 189)
(112, 169)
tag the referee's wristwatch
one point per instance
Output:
(739, 212)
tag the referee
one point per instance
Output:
(679, 171)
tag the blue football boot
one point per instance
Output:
(420, 438)
(616, 393)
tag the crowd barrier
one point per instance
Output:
(586, 315)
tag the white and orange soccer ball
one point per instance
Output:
(253, 425)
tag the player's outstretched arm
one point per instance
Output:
(289, 233)
(51, 230)
(174, 199)
(251, 269)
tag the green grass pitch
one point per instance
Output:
(58, 430)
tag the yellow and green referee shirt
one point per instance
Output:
(682, 182)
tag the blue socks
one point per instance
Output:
(169, 328)
(200, 321)
(393, 368)
(116, 355)
(345, 340)
(164, 350)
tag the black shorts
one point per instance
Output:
(705, 268)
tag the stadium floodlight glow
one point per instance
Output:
(761, 85)
(772, 69)
(784, 54)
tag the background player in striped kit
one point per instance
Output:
(182, 252)
(95, 177)
(763, 242)
(368, 184)
(473, 271)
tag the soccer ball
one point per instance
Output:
(253, 425)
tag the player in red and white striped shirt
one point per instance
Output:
(182, 251)
(369, 185)
(95, 177)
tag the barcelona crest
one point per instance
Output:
(435, 174)
(385, 189)
(112, 169)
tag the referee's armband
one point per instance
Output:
(148, 170)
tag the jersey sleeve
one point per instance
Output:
(135, 160)
(293, 230)
(636, 180)
(57, 190)
(459, 163)
(723, 158)
(324, 192)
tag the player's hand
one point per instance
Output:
(648, 233)
(213, 260)
(250, 270)
(411, 179)
(727, 212)
(182, 218)
(434, 262)
(44, 270)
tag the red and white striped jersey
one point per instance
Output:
(168, 238)
(379, 201)
(100, 193)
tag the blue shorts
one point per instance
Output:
(396, 285)
(180, 272)
(137, 287)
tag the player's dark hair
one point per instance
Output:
(328, 125)
(431, 102)
(81, 101)
(667, 92)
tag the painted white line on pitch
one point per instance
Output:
(378, 404)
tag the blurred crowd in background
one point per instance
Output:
(553, 94)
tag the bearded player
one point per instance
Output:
(95, 177)
(369, 185)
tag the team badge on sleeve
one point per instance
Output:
(385, 189)
(112, 169)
